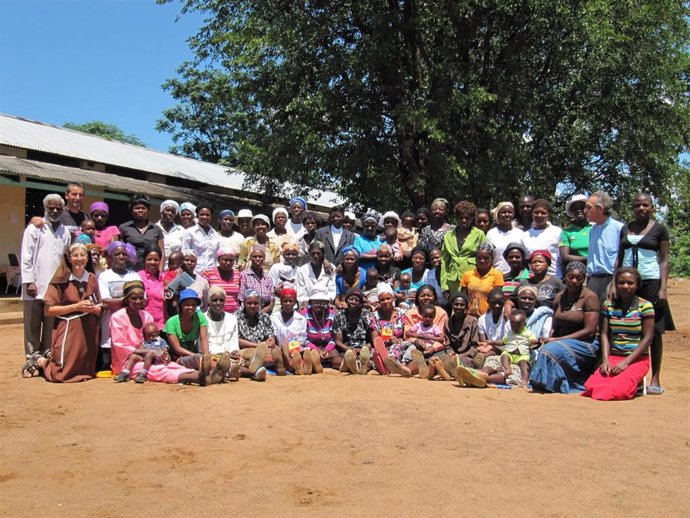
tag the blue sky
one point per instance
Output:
(81, 60)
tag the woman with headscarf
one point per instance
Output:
(227, 236)
(574, 242)
(139, 231)
(110, 284)
(459, 248)
(351, 275)
(543, 235)
(74, 303)
(225, 276)
(298, 208)
(477, 283)
(284, 274)
(172, 232)
(105, 234)
(127, 334)
(187, 213)
(568, 357)
(290, 329)
(260, 224)
(503, 234)
(432, 235)
(257, 280)
(645, 246)
(280, 234)
(258, 346)
(202, 238)
(368, 242)
(320, 335)
(389, 324)
(315, 276)
(352, 328)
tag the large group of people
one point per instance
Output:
(503, 297)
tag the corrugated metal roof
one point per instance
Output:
(28, 134)
(63, 174)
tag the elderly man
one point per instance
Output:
(43, 248)
(604, 238)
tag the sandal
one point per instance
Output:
(655, 391)
(31, 366)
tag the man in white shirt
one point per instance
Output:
(43, 249)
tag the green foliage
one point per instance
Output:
(105, 130)
(394, 103)
(679, 223)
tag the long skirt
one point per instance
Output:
(622, 386)
(564, 366)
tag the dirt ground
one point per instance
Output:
(342, 445)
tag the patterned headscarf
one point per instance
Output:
(300, 200)
(577, 266)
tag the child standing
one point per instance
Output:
(154, 350)
(517, 343)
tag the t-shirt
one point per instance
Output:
(501, 240)
(518, 343)
(478, 288)
(110, 286)
(548, 289)
(642, 252)
(510, 284)
(223, 334)
(545, 239)
(577, 238)
(569, 320)
(433, 330)
(187, 340)
(493, 330)
(293, 332)
(625, 330)
(231, 287)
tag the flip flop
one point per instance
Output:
(655, 391)
(31, 366)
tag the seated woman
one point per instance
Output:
(225, 276)
(478, 282)
(352, 328)
(187, 332)
(388, 323)
(546, 284)
(320, 334)
(351, 275)
(290, 330)
(284, 274)
(256, 279)
(569, 355)
(74, 301)
(126, 329)
(315, 275)
(626, 332)
(257, 338)
(223, 335)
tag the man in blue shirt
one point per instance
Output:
(604, 239)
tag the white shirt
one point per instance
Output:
(295, 327)
(297, 229)
(493, 331)
(41, 255)
(110, 286)
(172, 239)
(545, 239)
(501, 240)
(223, 336)
(307, 283)
(204, 244)
(234, 241)
(337, 233)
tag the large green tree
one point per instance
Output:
(394, 103)
(105, 130)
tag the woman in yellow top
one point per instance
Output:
(459, 247)
(260, 224)
(481, 280)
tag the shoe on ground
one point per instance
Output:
(418, 359)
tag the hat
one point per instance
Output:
(245, 213)
(188, 294)
(389, 214)
(350, 215)
(574, 199)
(278, 211)
(514, 246)
(319, 293)
(544, 253)
(261, 217)
(130, 286)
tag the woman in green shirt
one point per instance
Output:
(187, 332)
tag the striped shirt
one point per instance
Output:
(230, 287)
(625, 331)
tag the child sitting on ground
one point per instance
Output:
(428, 337)
(370, 289)
(517, 343)
(154, 350)
(404, 294)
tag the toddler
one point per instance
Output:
(428, 337)
(517, 344)
(391, 237)
(88, 227)
(154, 350)
(404, 294)
(370, 289)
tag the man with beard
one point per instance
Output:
(43, 248)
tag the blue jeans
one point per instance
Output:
(564, 366)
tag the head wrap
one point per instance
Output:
(258, 248)
(514, 246)
(290, 245)
(128, 247)
(261, 217)
(131, 286)
(226, 212)
(188, 252)
(288, 291)
(577, 266)
(350, 215)
(188, 206)
(170, 203)
(383, 287)
(99, 205)
(574, 199)
(354, 292)
(225, 250)
(300, 200)
(213, 290)
(278, 211)
(319, 293)
(528, 287)
(390, 214)
(83, 239)
(497, 208)
(374, 216)
(486, 245)
(245, 213)
(251, 293)
(544, 253)
(442, 201)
